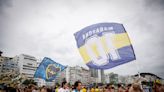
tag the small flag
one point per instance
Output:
(48, 69)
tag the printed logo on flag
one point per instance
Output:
(52, 70)
(104, 45)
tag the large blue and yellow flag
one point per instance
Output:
(104, 45)
(48, 69)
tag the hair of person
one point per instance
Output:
(76, 84)
(129, 85)
(119, 85)
(107, 85)
(63, 83)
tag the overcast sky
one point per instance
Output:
(45, 28)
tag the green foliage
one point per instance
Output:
(29, 81)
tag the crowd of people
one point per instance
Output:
(78, 87)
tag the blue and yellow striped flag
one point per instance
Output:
(104, 45)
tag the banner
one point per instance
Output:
(48, 69)
(104, 45)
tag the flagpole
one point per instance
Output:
(139, 75)
(137, 66)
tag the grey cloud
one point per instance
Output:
(5, 4)
(156, 4)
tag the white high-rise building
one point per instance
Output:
(79, 73)
(72, 74)
(107, 78)
(98, 75)
(27, 65)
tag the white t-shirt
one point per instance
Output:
(63, 90)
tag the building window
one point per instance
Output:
(29, 64)
(29, 59)
(29, 69)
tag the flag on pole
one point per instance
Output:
(48, 69)
(104, 45)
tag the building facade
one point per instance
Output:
(40, 82)
(7, 65)
(98, 75)
(27, 65)
(8, 69)
(111, 78)
(86, 76)
(72, 74)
